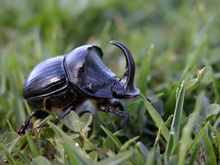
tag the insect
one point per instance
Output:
(64, 82)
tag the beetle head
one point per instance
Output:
(124, 87)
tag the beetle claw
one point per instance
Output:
(38, 114)
(111, 107)
(127, 121)
(39, 127)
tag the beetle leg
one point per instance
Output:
(38, 114)
(66, 112)
(112, 108)
(116, 104)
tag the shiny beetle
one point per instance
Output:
(64, 82)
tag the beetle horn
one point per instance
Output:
(126, 87)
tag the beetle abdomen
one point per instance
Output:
(57, 102)
(47, 78)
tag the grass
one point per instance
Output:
(175, 45)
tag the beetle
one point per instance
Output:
(64, 82)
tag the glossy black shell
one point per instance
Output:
(46, 79)
(87, 72)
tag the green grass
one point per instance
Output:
(176, 49)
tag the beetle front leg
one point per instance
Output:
(38, 114)
(115, 107)
(116, 104)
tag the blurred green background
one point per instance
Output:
(180, 33)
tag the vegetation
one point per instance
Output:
(176, 49)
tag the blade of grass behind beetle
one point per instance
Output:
(187, 130)
(173, 142)
(156, 117)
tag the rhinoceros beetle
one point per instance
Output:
(64, 82)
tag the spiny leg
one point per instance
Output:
(66, 112)
(38, 114)
(112, 106)
(116, 104)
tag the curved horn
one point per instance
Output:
(128, 77)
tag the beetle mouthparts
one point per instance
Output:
(124, 87)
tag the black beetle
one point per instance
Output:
(65, 82)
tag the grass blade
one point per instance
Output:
(173, 142)
(8, 156)
(156, 117)
(8, 141)
(145, 70)
(171, 99)
(117, 159)
(75, 154)
(208, 149)
(154, 155)
(196, 140)
(39, 161)
(187, 130)
(113, 137)
(142, 149)
(128, 143)
(215, 87)
(32, 145)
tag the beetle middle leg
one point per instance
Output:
(66, 112)
(115, 107)
(38, 114)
